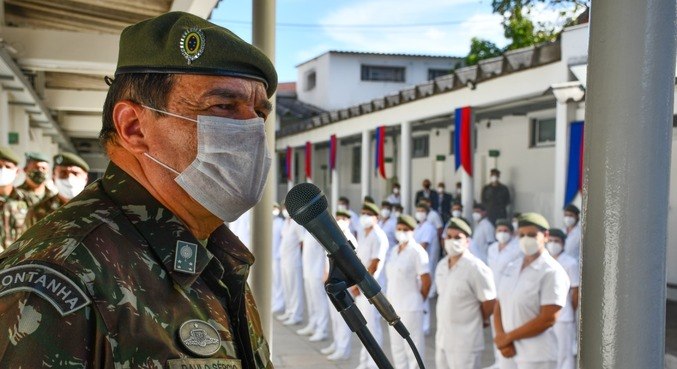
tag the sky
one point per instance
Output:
(308, 28)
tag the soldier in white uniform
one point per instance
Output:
(565, 328)
(426, 235)
(292, 270)
(466, 300)
(409, 275)
(531, 293)
(278, 295)
(314, 265)
(341, 333)
(501, 253)
(344, 204)
(372, 246)
(483, 235)
(572, 222)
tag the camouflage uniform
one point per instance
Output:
(43, 208)
(96, 285)
(14, 212)
(32, 197)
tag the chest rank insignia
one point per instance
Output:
(199, 338)
(185, 257)
(192, 44)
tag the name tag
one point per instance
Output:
(204, 364)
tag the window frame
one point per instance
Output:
(367, 74)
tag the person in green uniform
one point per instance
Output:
(12, 201)
(139, 270)
(37, 171)
(70, 178)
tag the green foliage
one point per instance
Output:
(504, 7)
(480, 50)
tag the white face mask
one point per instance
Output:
(70, 187)
(396, 190)
(230, 170)
(385, 213)
(503, 237)
(494, 179)
(420, 216)
(7, 176)
(554, 248)
(397, 214)
(440, 189)
(453, 247)
(402, 236)
(341, 207)
(285, 213)
(476, 216)
(366, 221)
(456, 213)
(344, 224)
(529, 245)
(276, 212)
(515, 225)
(569, 221)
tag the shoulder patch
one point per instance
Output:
(56, 288)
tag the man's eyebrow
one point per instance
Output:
(237, 95)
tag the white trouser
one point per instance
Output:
(426, 315)
(500, 360)
(537, 365)
(292, 281)
(318, 310)
(340, 330)
(278, 293)
(457, 360)
(374, 324)
(566, 336)
(403, 356)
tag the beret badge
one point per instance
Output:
(192, 44)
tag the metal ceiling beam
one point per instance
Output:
(201, 8)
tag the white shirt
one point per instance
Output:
(290, 245)
(426, 233)
(240, 227)
(497, 259)
(462, 289)
(483, 235)
(435, 219)
(372, 246)
(394, 199)
(521, 293)
(355, 225)
(572, 245)
(389, 227)
(278, 223)
(404, 269)
(570, 266)
(313, 256)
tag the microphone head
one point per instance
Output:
(305, 202)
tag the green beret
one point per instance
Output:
(8, 154)
(534, 219)
(572, 208)
(423, 205)
(68, 159)
(371, 207)
(36, 156)
(461, 225)
(178, 42)
(343, 213)
(556, 232)
(407, 220)
(505, 223)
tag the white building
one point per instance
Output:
(523, 104)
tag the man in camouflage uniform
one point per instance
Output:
(139, 270)
(35, 186)
(13, 202)
(70, 178)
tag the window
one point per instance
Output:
(357, 164)
(434, 73)
(382, 73)
(311, 80)
(420, 146)
(543, 132)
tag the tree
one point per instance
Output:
(521, 30)
(506, 7)
(480, 50)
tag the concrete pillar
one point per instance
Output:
(405, 172)
(628, 136)
(365, 158)
(335, 179)
(4, 116)
(263, 37)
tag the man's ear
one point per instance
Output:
(126, 117)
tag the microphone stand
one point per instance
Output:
(337, 289)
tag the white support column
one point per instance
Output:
(566, 94)
(4, 116)
(365, 164)
(335, 179)
(290, 173)
(405, 162)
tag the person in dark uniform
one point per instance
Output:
(13, 202)
(139, 270)
(496, 197)
(37, 171)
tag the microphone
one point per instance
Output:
(307, 205)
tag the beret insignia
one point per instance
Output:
(192, 44)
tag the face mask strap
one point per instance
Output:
(168, 113)
(162, 164)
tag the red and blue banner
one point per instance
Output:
(332, 152)
(309, 160)
(380, 163)
(462, 139)
(574, 183)
(288, 158)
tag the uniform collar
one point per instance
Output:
(540, 261)
(163, 230)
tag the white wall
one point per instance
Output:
(672, 221)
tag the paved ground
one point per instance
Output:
(293, 351)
